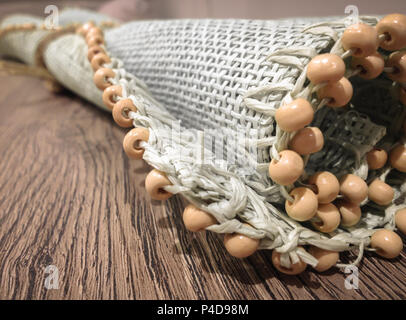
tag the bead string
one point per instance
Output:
(39, 70)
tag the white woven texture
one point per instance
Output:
(227, 77)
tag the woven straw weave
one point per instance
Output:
(227, 77)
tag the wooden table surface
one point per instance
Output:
(70, 197)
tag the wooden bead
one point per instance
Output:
(287, 169)
(371, 66)
(376, 158)
(295, 115)
(397, 60)
(361, 38)
(95, 31)
(339, 93)
(325, 68)
(327, 186)
(96, 40)
(196, 219)
(99, 60)
(294, 269)
(83, 30)
(131, 142)
(239, 245)
(387, 243)
(154, 184)
(350, 213)
(400, 220)
(393, 26)
(92, 51)
(121, 110)
(101, 76)
(304, 205)
(110, 95)
(380, 192)
(397, 158)
(307, 141)
(353, 188)
(327, 259)
(329, 218)
(402, 98)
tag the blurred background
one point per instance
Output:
(169, 9)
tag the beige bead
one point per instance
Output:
(371, 66)
(304, 205)
(350, 213)
(376, 158)
(327, 185)
(353, 188)
(380, 192)
(196, 219)
(397, 158)
(325, 68)
(307, 141)
(287, 169)
(393, 26)
(131, 142)
(99, 60)
(83, 30)
(400, 220)
(327, 259)
(121, 110)
(239, 245)
(92, 51)
(387, 243)
(95, 31)
(295, 115)
(294, 269)
(402, 98)
(361, 38)
(110, 95)
(101, 76)
(397, 60)
(154, 184)
(339, 93)
(329, 218)
(96, 40)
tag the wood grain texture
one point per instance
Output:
(70, 197)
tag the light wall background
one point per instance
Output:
(266, 9)
(249, 9)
